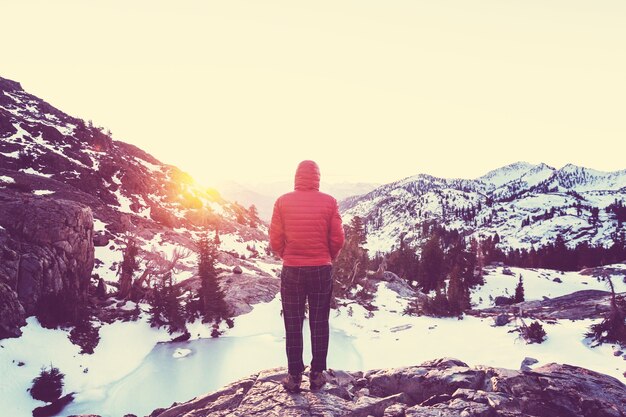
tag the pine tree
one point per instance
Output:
(519, 290)
(212, 304)
(350, 265)
(254, 216)
(165, 306)
(458, 294)
(128, 266)
(48, 386)
(403, 261)
(217, 239)
(431, 271)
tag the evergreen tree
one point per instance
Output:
(431, 271)
(48, 386)
(350, 266)
(254, 216)
(458, 294)
(212, 304)
(519, 290)
(403, 261)
(437, 305)
(165, 307)
(129, 265)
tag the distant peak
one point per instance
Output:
(544, 165)
(572, 168)
(515, 166)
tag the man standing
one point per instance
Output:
(306, 232)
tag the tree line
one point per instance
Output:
(448, 264)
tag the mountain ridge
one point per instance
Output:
(511, 195)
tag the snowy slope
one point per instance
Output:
(45, 152)
(40, 142)
(360, 340)
(498, 202)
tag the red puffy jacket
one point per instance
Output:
(306, 227)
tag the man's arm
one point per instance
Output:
(336, 236)
(277, 235)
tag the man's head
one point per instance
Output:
(307, 176)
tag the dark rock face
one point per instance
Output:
(12, 314)
(441, 387)
(46, 247)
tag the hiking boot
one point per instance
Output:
(291, 383)
(316, 380)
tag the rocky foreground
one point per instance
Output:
(442, 387)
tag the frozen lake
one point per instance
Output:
(162, 378)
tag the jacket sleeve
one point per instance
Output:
(336, 236)
(277, 234)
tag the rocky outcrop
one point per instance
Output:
(441, 387)
(585, 304)
(12, 314)
(46, 246)
(242, 291)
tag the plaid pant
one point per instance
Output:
(297, 284)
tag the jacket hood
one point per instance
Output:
(307, 176)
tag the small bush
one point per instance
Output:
(534, 333)
(613, 328)
(48, 386)
(216, 332)
(85, 335)
(438, 306)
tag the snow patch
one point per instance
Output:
(43, 192)
(32, 171)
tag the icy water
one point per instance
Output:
(162, 379)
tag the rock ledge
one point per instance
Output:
(443, 387)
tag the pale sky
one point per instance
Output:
(371, 90)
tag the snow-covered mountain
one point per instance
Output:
(527, 205)
(42, 147)
(51, 162)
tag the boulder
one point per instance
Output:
(101, 239)
(527, 362)
(501, 320)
